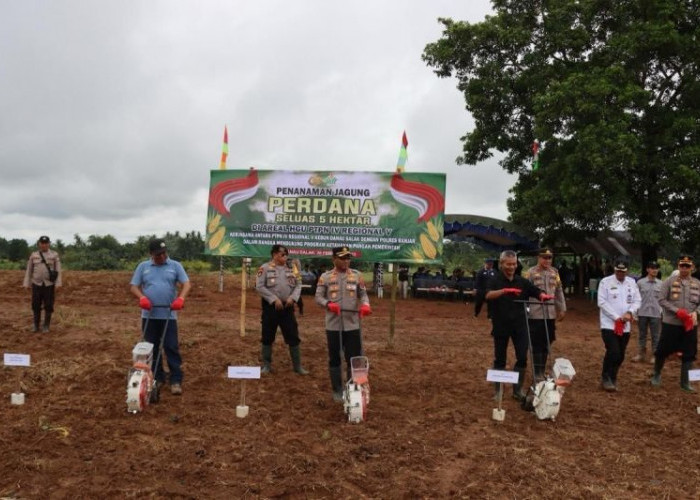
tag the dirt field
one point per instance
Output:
(429, 432)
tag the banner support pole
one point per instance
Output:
(392, 307)
(244, 286)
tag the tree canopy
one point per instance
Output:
(610, 88)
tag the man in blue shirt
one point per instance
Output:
(155, 283)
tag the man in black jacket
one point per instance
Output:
(508, 317)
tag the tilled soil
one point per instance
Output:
(429, 432)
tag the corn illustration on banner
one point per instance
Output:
(381, 216)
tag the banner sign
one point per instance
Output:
(380, 216)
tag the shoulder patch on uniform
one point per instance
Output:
(260, 271)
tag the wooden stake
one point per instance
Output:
(246, 260)
(221, 274)
(392, 307)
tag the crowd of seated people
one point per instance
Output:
(425, 283)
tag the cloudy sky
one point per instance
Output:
(112, 113)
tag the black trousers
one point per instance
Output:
(285, 320)
(500, 349)
(674, 338)
(43, 294)
(615, 346)
(539, 334)
(352, 346)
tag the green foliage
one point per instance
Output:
(463, 255)
(611, 90)
(8, 265)
(15, 250)
(197, 266)
(106, 253)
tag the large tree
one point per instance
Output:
(611, 89)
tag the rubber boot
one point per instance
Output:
(539, 359)
(47, 322)
(518, 393)
(336, 383)
(295, 353)
(543, 360)
(658, 366)
(266, 359)
(37, 318)
(685, 382)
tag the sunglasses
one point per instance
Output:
(546, 257)
(685, 265)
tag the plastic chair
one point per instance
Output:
(593, 289)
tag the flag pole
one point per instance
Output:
(222, 166)
(400, 166)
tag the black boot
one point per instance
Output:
(37, 318)
(538, 359)
(47, 322)
(518, 393)
(266, 353)
(336, 382)
(295, 353)
(685, 382)
(658, 366)
(543, 360)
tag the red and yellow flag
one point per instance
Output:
(403, 154)
(224, 150)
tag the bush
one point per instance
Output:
(197, 266)
(7, 265)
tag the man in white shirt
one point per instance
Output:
(618, 300)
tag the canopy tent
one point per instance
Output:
(493, 234)
(608, 244)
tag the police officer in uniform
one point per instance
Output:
(279, 289)
(545, 277)
(342, 292)
(38, 278)
(680, 302)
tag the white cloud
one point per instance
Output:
(113, 112)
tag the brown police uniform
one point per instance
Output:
(278, 282)
(43, 289)
(678, 293)
(547, 280)
(343, 333)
